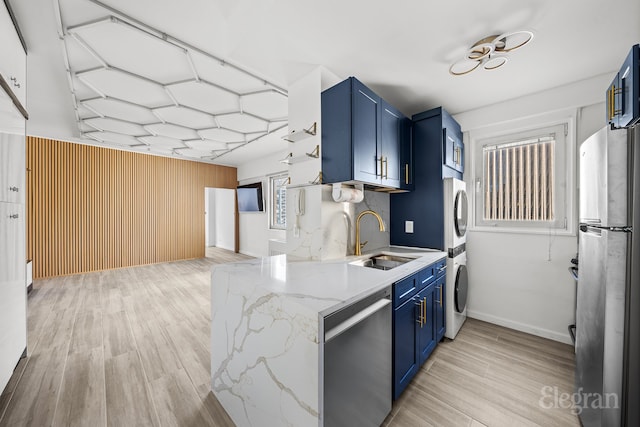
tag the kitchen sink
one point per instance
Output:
(382, 262)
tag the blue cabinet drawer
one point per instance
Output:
(427, 275)
(407, 287)
(404, 289)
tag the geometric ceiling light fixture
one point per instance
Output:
(490, 52)
(137, 87)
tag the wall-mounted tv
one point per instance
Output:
(250, 197)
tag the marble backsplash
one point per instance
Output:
(326, 230)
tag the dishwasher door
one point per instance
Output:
(358, 363)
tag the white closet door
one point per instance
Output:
(12, 172)
(13, 59)
(13, 297)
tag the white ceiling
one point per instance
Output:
(402, 50)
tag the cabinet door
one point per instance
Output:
(439, 307)
(390, 143)
(367, 164)
(13, 59)
(458, 155)
(406, 156)
(453, 149)
(629, 85)
(11, 118)
(613, 102)
(12, 168)
(449, 144)
(426, 328)
(405, 349)
(13, 317)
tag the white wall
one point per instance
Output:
(209, 217)
(220, 218)
(254, 226)
(521, 280)
(304, 110)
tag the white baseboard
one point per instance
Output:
(227, 247)
(562, 337)
(252, 254)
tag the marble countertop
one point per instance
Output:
(324, 286)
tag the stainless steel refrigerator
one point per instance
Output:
(608, 302)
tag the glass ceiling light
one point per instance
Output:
(490, 52)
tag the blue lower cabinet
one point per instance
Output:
(405, 348)
(418, 322)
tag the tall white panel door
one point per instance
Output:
(13, 58)
(12, 172)
(13, 295)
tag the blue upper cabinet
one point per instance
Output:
(453, 148)
(406, 156)
(613, 102)
(392, 121)
(362, 136)
(444, 140)
(366, 134)
(438, 152)
(623, 95)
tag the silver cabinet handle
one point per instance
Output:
(422, 318)
(16, 189)
(439, 301)
(14, 216)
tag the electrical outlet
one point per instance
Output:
(408, 226)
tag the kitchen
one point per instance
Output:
(518, 280)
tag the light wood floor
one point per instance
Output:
(492, 376)
(130, 347)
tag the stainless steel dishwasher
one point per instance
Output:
(358, 363)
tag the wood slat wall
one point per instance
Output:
(92, 208)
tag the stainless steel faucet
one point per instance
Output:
(363, 213)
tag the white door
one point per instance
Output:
(13, 294)
(12, 172)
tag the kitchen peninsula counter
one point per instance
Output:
(266, 329)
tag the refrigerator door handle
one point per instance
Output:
(586, 228)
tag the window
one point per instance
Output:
(278, 191)
(521, 179)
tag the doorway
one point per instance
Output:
(219, 217)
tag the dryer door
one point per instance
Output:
(460, 295)
(460, 213)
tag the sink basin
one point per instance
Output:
(382, 262)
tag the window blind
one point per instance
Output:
(519, 180)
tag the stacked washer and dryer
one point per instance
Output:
(455, 238)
